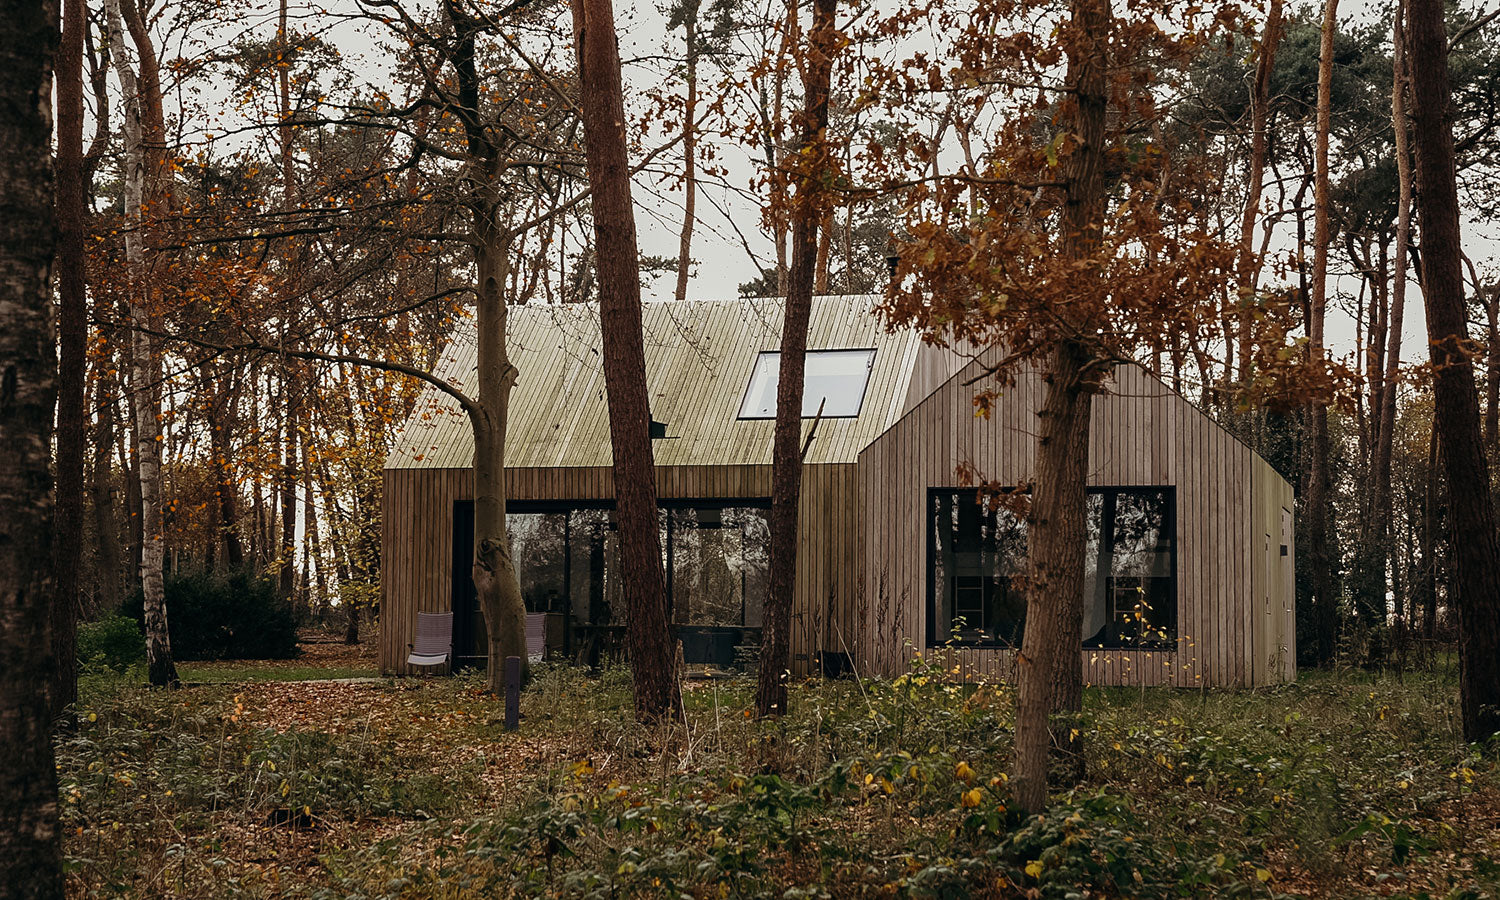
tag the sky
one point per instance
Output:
(725, 214)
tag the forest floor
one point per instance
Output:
(1345, 784)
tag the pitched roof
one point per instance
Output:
(699, 356)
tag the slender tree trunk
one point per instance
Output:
(287, 575)
(1050, 679)
(72, 417)
(351, 623)
(1260, 104)
(1476, 546)
(145, 371)
(653, 656)
(30, 856)
(1492, 377)
(1430, 540)
(315, 570)
(109, 560)
(1386, 432)
(807, 215)
(689, 154)
(1321, 561)
(825, 252)
(227, 491)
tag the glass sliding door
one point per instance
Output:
(715, 553)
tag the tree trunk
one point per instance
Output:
(496, 582)
(1050, 678)
(145, 373)
(653, 656)
(1430, 540)
(287, 574)
(1492, 379)
(109, 560)
(1320, 559)
(807, 214)
(689, 148)
(1260, 104)
(315, 569)
(351, 622)
(1475, 546)
(227, 507)
(1049, 670)
(30, 856)
(72, 416)
(1386, 432)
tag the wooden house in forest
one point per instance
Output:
(1190, 558)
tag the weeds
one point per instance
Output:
(1339, 785)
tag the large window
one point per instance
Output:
(978, 556)
(833, 380)
(567, 556)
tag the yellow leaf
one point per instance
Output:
(1034, 868)
(971, 798)
(1262, 874)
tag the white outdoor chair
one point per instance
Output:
(434, 644)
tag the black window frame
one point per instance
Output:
(1105, 491)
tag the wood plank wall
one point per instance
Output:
(417, 540)
(1142, 434)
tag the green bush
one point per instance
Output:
(114, 642)
(219, 616)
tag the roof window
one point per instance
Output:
(834, 380)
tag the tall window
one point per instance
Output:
(978, 559)
(834, 380)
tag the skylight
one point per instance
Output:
(834, 379)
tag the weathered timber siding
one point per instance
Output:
(1142, 434)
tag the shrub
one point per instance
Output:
(114, 642)
(225, 616)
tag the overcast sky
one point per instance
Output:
(722, 261)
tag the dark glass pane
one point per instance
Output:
(719, 563)
(1130, 597)
(595, 588)
(539, 547)
(978, 555)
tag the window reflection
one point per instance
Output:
(979, 557)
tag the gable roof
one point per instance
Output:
(699, 356)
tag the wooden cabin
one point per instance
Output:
(1190, 559)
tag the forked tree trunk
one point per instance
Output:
(72, 417)
(145, 373)
(1476, 546)
(1050, 677)
(30, 859)
(786, 450)
(653, 655)
(1320, 558)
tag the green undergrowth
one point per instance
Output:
(1339, 785)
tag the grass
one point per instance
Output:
(1341, 785)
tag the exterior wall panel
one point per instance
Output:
(1142, 434)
